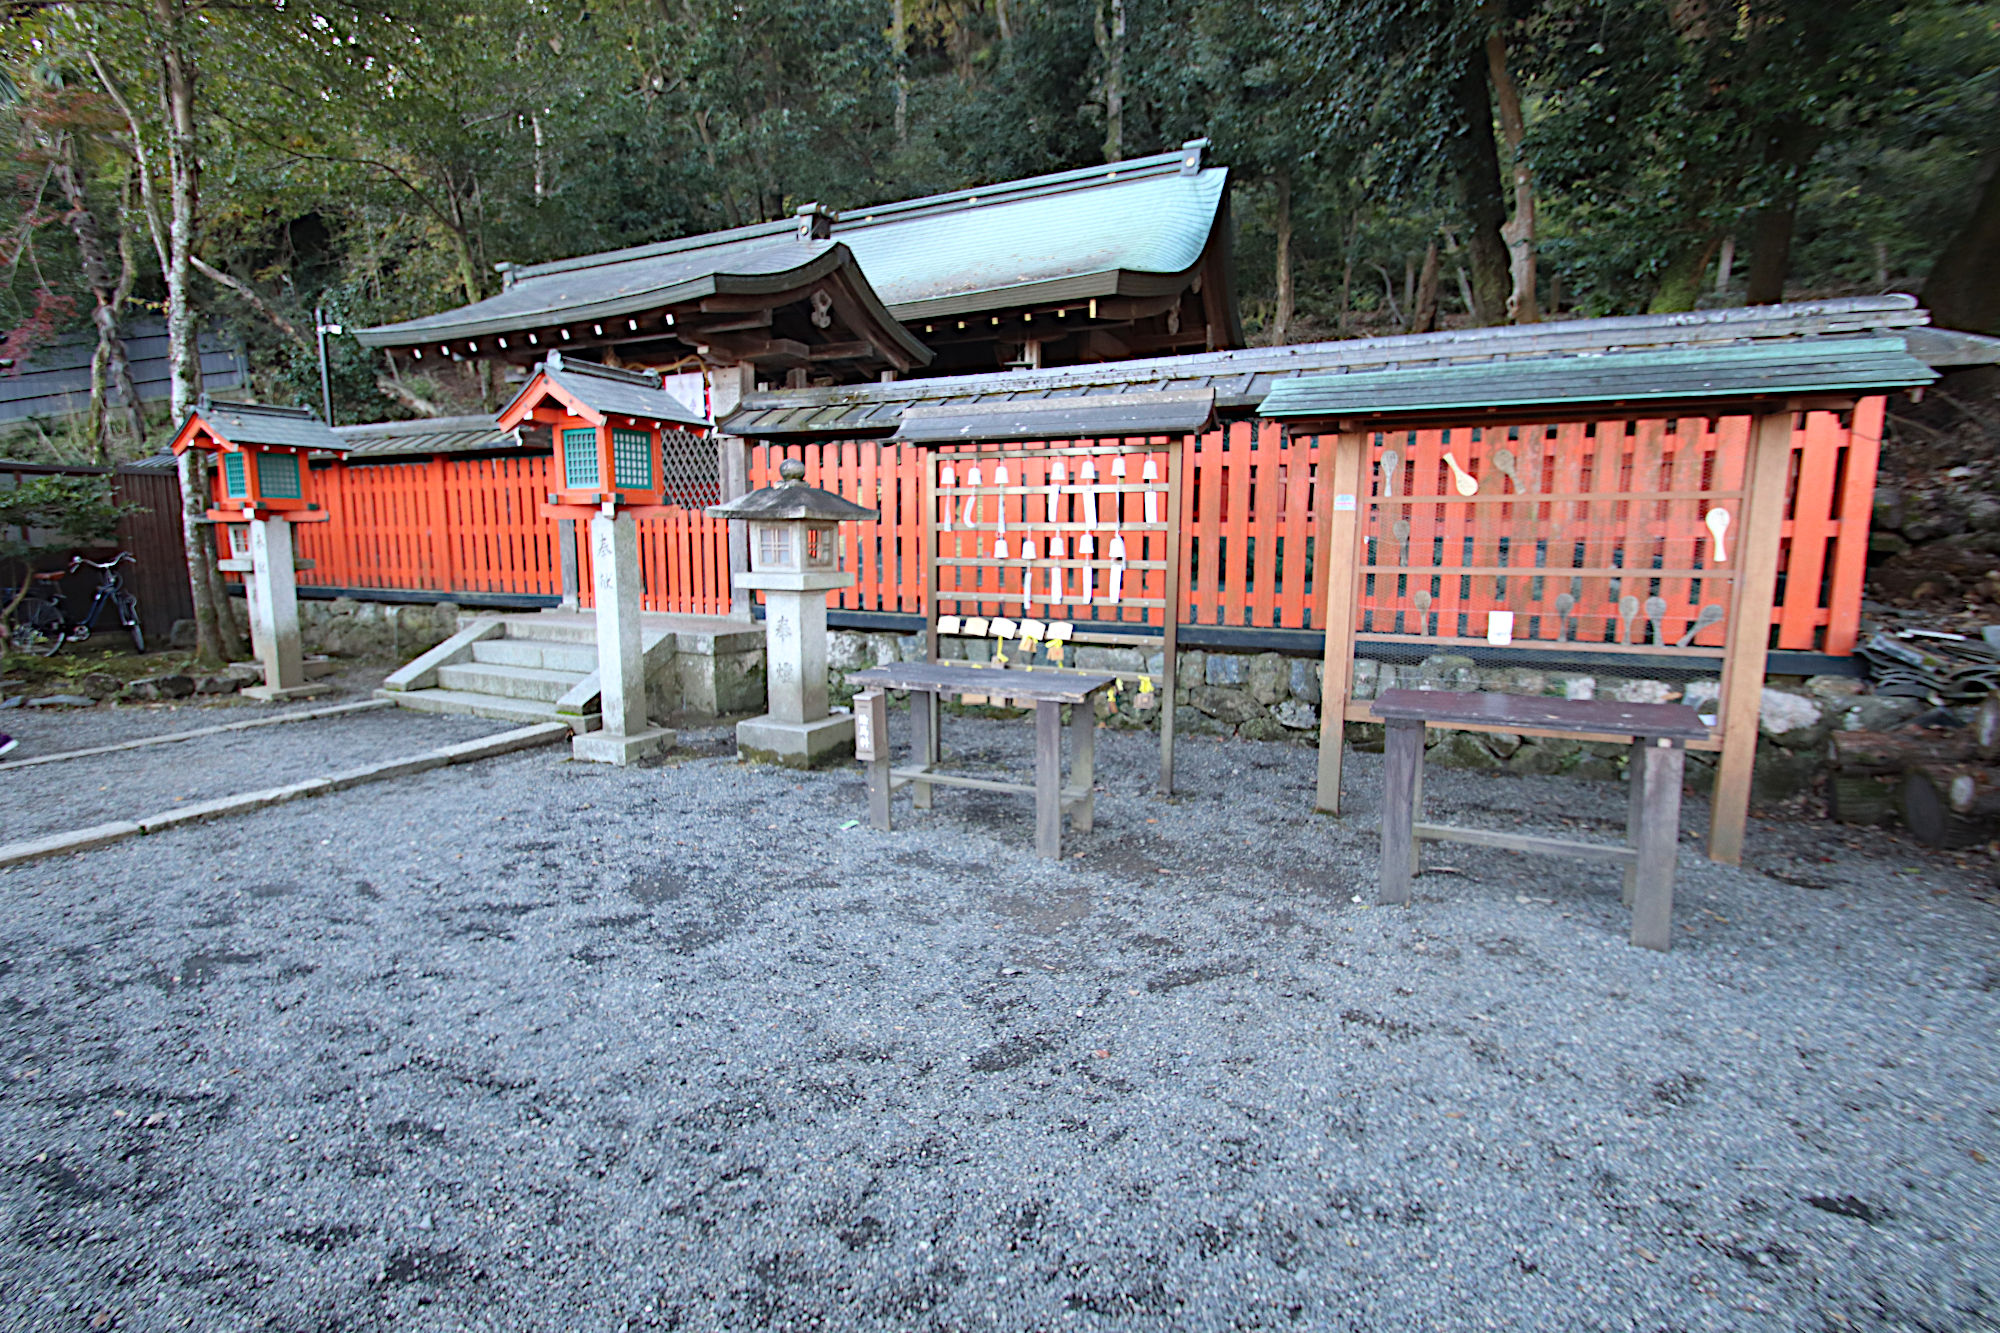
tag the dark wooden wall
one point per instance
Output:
(153, 536)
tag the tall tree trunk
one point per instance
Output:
(1963, 289)
(1004, 20)
(177, 80)
(1424, 308)
(1680, 284)
(1519, 233)
(1789, 153)
(1281, 319)
(1477, 167)
(96, 267)
(1111, 43)
(899, 38)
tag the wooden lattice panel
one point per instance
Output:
(1594, 536)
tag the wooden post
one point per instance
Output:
(930, 512)
(1758, 531)
(1661, 762)
(1170, 673)
(1338, 571)
(1635, 812)
(1083, 763)
(923, 743)
(1048, 779)
(566, 558)
(1402, 770)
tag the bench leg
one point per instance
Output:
(1402, 770)
(1659, 845)
(1048, 780)
(1635, 812)
(1083, 764)
(878, 793)
(923, 743)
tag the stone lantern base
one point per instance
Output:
(826, 740)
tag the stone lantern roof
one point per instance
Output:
(791, 498)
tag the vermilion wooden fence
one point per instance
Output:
(1251, 517)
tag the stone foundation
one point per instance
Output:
(1276, 697)
(374, 631)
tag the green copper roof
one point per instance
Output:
(1100, 231)
(1833, 365)
(1123, 228)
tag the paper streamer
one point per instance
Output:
(1151, 472)
(1117, 566)
(1000, 479)
(1028, 556)
(1086, 550)
(1055, 571)
(1087, 474)
(971, 501)
(1057, 476)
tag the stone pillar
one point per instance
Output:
(271, 591)
(621, 660)
(796, 731)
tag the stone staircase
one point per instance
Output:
(543, 668)
(517, 668)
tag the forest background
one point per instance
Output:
(1398, 164)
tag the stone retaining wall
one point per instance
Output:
(1276, 697)
(378, 631)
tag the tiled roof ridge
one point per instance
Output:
(637, 378)
(207, 405)
(1056, 182)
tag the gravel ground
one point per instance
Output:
(125, 784)
(535, 1045)
(49, 730)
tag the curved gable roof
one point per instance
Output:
(1134, 227)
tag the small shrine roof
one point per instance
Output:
(263, 424)
(604, 390)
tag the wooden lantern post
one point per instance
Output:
(265, 483)
(608, 425)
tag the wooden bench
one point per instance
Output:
(1047, 691)
(1659, 733)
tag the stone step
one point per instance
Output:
(485, 705)
(508, 682)
(553, 629)
(549, 656)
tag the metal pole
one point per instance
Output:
(325, 382)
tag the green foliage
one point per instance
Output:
(379, 161)
(56, 511)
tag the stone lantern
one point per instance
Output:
(265, 482)
(794, 560)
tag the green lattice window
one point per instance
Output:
(278, 477)
(632, 460)
(235, 477)
(580, 459)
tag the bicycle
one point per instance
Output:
(42, 626)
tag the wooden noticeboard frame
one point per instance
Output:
(1755, 494)
(1158, 573)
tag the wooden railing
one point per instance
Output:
(1251, 516)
